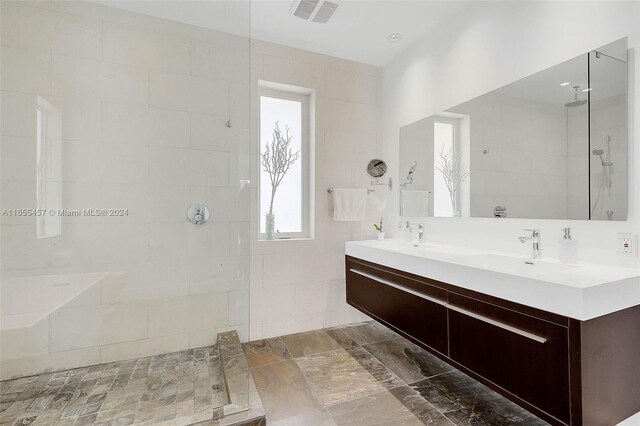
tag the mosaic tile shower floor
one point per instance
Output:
(185, 385)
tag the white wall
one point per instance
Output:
(300, 285)
(491, 45)
(143, 103)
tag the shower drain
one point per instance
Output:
(78, 410)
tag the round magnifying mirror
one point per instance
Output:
(376, 168)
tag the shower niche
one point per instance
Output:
(552, 145)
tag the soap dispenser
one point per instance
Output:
(568, 248)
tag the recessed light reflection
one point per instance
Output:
(566, 83)
(588, 89)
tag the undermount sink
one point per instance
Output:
(513, 265)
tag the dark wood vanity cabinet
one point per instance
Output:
(512, 357)
(567, 372)
(393, 299)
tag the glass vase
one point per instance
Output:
(269, 225)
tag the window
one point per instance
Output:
(443, 145)
(285, 164)
(48, 168)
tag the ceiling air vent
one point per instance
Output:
(314, 10)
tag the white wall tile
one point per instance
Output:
(26, 71)
(187, 241)
(22, 250)
(190, 167)
(18, 114)
(87, 326)
(211, 133)
(225, 58)
(238, 306)
(202, 338)
(84, 244)
(188, 313)
(25, 341)
(28, 366)
(187, 93)
(143, 348)
(18, 158)
(99, 80)
(81, 117)
(37, 29)
(215, 275)
(146, 126)
(110, 163)
(154, 50)
(296, 73)
(333, 114)
(227, 204)
(268, 303)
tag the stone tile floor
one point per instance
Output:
(364, 374)
(177, 388)
(361, 374)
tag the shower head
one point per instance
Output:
(411, 171)
(598, 151)
(575, 102)
(409, 179)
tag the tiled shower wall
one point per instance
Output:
(300, 285)
(143, 105)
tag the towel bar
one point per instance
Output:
(369, 191)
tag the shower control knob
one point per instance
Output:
(198, 214)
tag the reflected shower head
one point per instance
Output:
(409, 179)
(411, 171)
(575, 102)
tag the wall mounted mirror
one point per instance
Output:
(550, 146)
(376, 168)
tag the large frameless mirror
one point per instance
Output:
(550, 146)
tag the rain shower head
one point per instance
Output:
(598, 151)
(409, 179)
(411, 171)
(575, 102)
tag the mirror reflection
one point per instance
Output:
(550, 146)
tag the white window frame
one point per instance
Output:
(455, 123)
(305, 97)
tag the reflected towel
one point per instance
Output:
(349, 205)
(414, 203)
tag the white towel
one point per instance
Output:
(349, 205)
(414, 203)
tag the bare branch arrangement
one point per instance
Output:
(277, 159)
(450, 166)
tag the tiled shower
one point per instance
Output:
(113, 124)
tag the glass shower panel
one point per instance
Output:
(608, 132)
(113, 124)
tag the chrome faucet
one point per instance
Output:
(535, 242)
(420, 238)
(421, 234)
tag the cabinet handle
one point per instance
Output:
(453, 307)
(498, 324)
(399, 287)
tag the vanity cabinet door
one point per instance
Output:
(397, 301)
(370, 296)
(525, 355)
(422, 319)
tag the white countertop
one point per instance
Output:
(578, 290)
